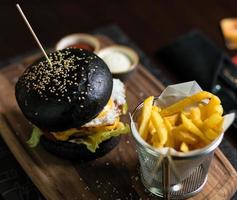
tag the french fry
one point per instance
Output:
(160, 127)
(196, 116)
(219, 127)
(214, 106)
(187, 114)
(170, 138)
(156, 108)
(173, 119)
(155, 141)
(212, 121)
(168, 124)
(177, 129)
(175, 132)
(151, 131)
(151, 128)
(218, 109)
(181, 126)
(184, 147)
(188, 124)
(186, 137)
(186, 102)
(146, 114)
(211, 134)
(202, 109)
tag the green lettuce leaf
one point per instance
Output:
(92, 142)
(35, 137)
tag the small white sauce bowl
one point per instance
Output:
(130, 53)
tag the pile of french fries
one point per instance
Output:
(188, 124)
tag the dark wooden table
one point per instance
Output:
(150, 23)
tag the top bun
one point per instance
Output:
(67, 94)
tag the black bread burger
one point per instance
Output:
(74, 104)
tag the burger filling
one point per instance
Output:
(106, 125)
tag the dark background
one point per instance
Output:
(151, 24)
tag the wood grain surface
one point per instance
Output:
(114, 176)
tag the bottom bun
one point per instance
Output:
(78, 152)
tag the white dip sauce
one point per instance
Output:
(117, 61)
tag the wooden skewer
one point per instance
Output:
(33, 33)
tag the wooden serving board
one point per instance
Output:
(114, 176)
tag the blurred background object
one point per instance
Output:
(151, 24)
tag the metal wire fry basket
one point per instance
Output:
(170, 174)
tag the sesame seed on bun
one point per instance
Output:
(67, 94)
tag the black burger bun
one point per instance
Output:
(76, 152)
(67, 94)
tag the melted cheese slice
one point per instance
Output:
(106, 109)
(64, 135)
